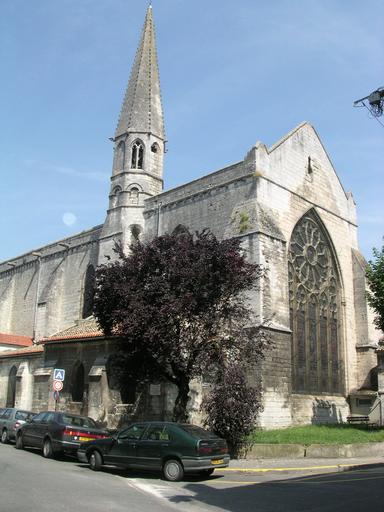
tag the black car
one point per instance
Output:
(58, 432)
(173, 448)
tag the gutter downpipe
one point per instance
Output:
(158, 218)
(37, 297)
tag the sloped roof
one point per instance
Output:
(87, 328)
(34, 349)
(15, 339)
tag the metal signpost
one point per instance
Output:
(57, 384)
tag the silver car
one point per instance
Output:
(11, 420)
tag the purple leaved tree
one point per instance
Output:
(178, 304)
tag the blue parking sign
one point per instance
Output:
(58, 374)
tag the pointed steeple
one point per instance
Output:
(142, 109)
(139, 147)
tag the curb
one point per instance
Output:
(313, 451)
(339, 467)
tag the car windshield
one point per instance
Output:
(78, 421)
(198, 432)
(24, 415)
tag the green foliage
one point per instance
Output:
(244, 222)
(318, 434)
(232, 406)
(375, 277)
(242, 219)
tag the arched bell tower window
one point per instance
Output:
(120, 156)
(88, 291)
(11, 392)
(137, 155)
(115, 197)
(314, 297)
(134, 195)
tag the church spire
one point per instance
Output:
(142, 110)
(139, 147)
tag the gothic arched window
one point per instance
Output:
(314, 297)
(120, 156)
(137, 155)
(180, 229)
(89, 291)
(78, 382)
(11, 392)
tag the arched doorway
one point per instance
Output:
(11, 392)
(78, 382)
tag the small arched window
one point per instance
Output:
(134, 195)
(115, 197)
(11, 392)
(180, 230)
(137, 155)
(77, 382)
(89, 291)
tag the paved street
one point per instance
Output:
(29, 482)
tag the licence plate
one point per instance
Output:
(85, 439)
(217, 461)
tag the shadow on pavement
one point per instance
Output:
(346, 491)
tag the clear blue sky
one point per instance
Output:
(232, 72)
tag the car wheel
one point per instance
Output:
(95, 460)
(47, 449)
(4, 436)
(173, 470)
(19, 442)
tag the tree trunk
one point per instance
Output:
(180, 413)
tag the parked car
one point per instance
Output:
(11, 420)
(172, 448)
(58, 432)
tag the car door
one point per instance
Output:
(153, 446)
(123, 451)
(5, 419)
(33, 431)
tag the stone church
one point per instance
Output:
(293, 216)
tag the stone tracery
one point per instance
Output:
(314, 293)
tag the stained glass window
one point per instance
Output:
(314, 296)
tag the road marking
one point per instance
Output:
(336, 481)
(232, 482)
(266, 470)
(155, 490)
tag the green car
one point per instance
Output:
(173, 448)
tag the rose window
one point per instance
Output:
(314, 305)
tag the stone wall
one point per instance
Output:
(261, 199)
(25, 365)
(41, 291)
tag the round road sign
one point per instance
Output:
(57, 385)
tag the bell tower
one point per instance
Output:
(139, 144)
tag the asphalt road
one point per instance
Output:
(30, 482)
